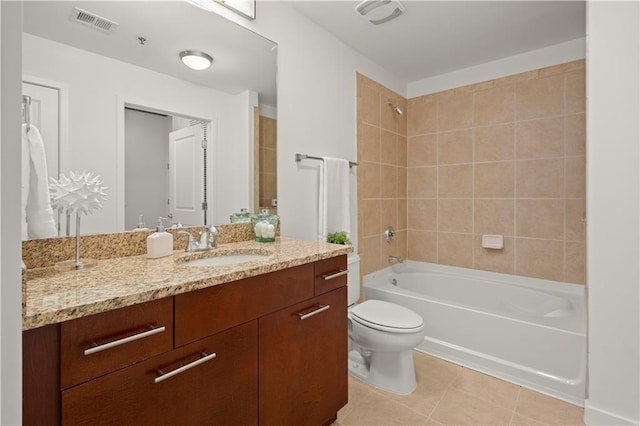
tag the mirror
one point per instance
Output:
(92, 61)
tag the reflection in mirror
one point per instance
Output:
(85, 84)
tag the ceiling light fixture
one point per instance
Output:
(196, 60)
(379, 11)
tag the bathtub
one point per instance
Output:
(527, 331)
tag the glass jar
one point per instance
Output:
(265, 226)
(243, 217)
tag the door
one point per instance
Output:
(306, 344)
(44, 113)
(186, 175)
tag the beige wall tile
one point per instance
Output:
(455, 147)
(540, 138)
(492, 259)
(548, 410)
(422, 246)
(540, 259)
(474, 87)
(402, 151)
(389, 181)
(575, 92)
(511, 79)
(543, 218)
(455, 249)
(389, 215)
(369, 217)
(422, 150)
(388, 148)
(575, 219)
(370, 254)
(369, 105)
(402, 182)
(540, 178)
(422, 182)
(575, 262)
(455, 112)
(575, 134)
(368, 143)
(368, 180)
(455, 215)
(493, 180)
(493, 143)
(267, 160)
(575, 175)
(422, 116)
(494, 216)
(494, 106)
(519, 420)
(455, 181)
(422, 214)
(540, 98)
(402, 213)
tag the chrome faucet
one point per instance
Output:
(394, 259)
(206, 239)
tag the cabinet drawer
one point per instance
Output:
(330, 274)
(102, 343)
(210, 382)
(205, 312)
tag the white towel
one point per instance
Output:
(334, 212)
(37, 212)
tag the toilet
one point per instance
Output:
(381, 338)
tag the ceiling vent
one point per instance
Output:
(92, 20)
(379, 11)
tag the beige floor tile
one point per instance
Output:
(519, 420)
(488, 388)
(376, 409)
(548, 410)
(459, 408)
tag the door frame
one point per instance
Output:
(123, 101)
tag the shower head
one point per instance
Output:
(395, 108)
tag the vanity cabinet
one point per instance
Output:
(270, 349)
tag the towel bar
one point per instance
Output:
(300, 157)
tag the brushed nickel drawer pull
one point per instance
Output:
(124, 340)
(321, 308)
(340, 273)
(165, 376)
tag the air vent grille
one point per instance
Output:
(94, 21)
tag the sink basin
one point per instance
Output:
(226, 259)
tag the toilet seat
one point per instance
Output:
(385, 316)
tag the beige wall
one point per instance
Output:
(267, 152)
(506, 156)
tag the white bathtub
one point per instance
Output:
(525, 330)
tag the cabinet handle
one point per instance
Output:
(165, 376)
(336, 275)
(321, 308)
(124, 340)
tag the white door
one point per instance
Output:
(44, 113)
(186, 175)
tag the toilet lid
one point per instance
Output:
(386, 316)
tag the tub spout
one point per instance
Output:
(394, 259)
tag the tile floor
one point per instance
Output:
(448, 394)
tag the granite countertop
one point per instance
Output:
(53, 296)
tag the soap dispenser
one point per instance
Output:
(160, 243)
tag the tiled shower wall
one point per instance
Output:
(267, 152)
(506, 156)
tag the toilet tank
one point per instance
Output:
(353, 278)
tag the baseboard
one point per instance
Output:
(594, 416)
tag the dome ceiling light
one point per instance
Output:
(196, 60)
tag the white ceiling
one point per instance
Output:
(242, 59)
(436, 37)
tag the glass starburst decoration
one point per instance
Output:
(80, 192)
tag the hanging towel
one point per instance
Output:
(37, 212)
(334, 212)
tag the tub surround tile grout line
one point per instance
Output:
(515, 405)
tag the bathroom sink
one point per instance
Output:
(226, 259)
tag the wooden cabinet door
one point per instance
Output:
(220, 390)
(303, 361)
